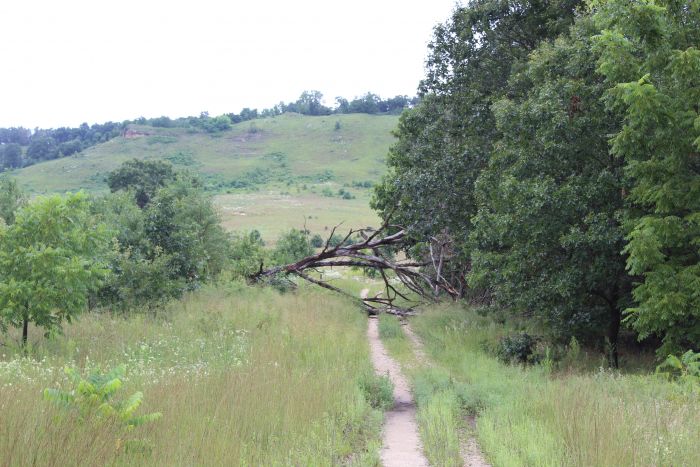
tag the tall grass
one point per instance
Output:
(241, 376)
(530, 417)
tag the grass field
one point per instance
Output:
(273, 213)
(241, 376)
(544, 416)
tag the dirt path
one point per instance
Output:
(401, 446)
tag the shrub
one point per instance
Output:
(247, 253)
(291, 247)
(93, 399)
(518, 348)
(93, 396)
(316, 241)
(685, 368)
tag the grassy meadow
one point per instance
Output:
(273, 213)
(563, 414)
(241, 376)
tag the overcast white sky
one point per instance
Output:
(70, 61)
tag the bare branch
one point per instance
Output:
(368, 253)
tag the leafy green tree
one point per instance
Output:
(143, 177)
(547, 236)
(317, 241)
(42, 148)
(247, 253)
(11, 199)
(342, 106)
(181, 221)
(311, 103)
(10, 156)
(141, 274)
(291, 246)
(650, 57)
(447, 139)
(51, 258)
(367, 104)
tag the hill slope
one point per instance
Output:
(284, 150)
(269, 174)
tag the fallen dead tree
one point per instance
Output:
(370, 249)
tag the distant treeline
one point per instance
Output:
(309, 103)
(21, 147)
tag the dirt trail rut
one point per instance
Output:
(401, 444)
(471, 454)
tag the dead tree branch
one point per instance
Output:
(424, 279)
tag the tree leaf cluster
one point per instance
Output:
(556, 144)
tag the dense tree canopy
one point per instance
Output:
(556, 144)
(651, 62)
(547, 234)
(445, 141)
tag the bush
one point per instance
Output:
(93, 398)
(247, 253)
(317, 241)
(291, 246)
(518, 348)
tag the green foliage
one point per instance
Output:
(291, 246)
(42, 148)
(143, 177)
(173, 243)
(518, 348)
(651, 61)
(547, 235)
(560, 158)
(181, 221)
(11, 199)
(10, 156)
(94, 396)
(51, 259)
(247, 253)
(216, 124)
(316, 241)
(685, 368)
(445, 141)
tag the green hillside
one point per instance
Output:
(281, 151)
(268, 174)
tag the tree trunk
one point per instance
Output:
(25, 329)
(613, 335)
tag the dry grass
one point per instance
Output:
(241, 376)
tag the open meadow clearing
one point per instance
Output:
(240, 376)
(272, 213)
